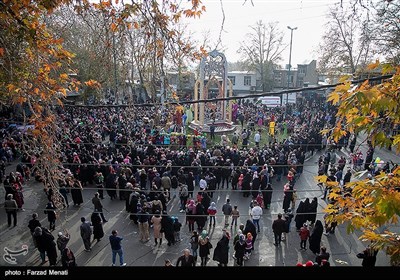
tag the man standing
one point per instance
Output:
(34, 223)
(115, 242)
(257, 138)
(227, 210)
(245, 138)
(11, 209)
(203, 183)
(278, 226)
(86, 233)
(183, 196)
(99, 181)
(256, 213)
(166, 184)
(235, 140)
(186, 259)
(98, 207)
(212, 131)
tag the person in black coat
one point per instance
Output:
(250, 227)
(240, 247)
(287, 199)
(206, 201)
(68, 258)
(45, 243)
(201, 217)
(161, 197)
(368, 256)
(186, 260)
(98, 231)
(122, 181)
(221, 251)
(128, 191)
(255, 185)
(246, 184)
(189, 179)
(300, 217)
(51, 215)
(167, 227)
(312, 216)
(76, 192)
(369, 157)
(267, 196)
(315, 237)
(39, 242)
(133, 202)
(64, 192)
(111, 185)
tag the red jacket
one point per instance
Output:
(304, 233)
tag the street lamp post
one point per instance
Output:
(290, 61)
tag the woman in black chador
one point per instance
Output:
(98, 231)
(300, 217)
(267, 196)
(167, 227)
(250, 227)
(315, 237)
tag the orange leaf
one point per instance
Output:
(373, 66)
(1, 51)
(113, 27)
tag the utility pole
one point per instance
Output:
(290, 61)
(115, 69)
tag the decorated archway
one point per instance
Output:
(213, 71)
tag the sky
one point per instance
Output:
(309, 16)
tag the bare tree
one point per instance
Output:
(346, 45)
(262, 49)
(385, 31)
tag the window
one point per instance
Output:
(233, 79)
(300, 82)
(302, 70)
(247, 81)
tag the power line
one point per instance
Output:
(121, 165)
(68, 210)
(216, 146)
(221, 190)
(255, 95)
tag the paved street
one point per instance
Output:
(343, 247)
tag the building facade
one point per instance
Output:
(243, 82)
(304, 74)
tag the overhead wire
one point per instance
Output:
(247, 96)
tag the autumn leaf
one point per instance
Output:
(93, 84)
(1, 51)
(373, 66)
(321, 179)
(334, 98)
(113, 27)
(64, 76)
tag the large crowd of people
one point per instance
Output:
(145, 157)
